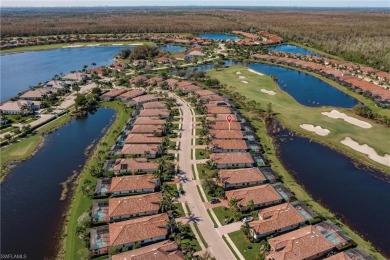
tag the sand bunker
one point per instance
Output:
(117, 44)
(242, 77)
(336, 114)
(372, 154)
(244, 81)
(269, 92)
(238, 72)
(253, 71)
(73, 46)
(93, 45)
(316, 129)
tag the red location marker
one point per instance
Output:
(229, 118)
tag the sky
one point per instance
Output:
(300, 3)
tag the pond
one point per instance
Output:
(292, 49)
(24, 69)
(219, 36)
(357, 195)
(31, 209)
(306, 89)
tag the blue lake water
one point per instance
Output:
(21, 70)
(173, 48)
(31, 210)
(359, 196)
(219, 36)
(306, 89)
(292, 49)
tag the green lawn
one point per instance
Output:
(193, 241)
(180, 208)
(242, 244)
(204, 171)
(73, 246)
(197, 131)
(291, 114)
(201, 154)
(222, 212)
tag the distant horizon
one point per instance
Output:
(198, 3)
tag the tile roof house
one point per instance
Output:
(165, 250)
(232, 160)
(154, 105)
(204, 92)
(304, 243)
(112, 94)
(262, 196)
(149, 121)
(147, 129)
(226, 135)
(143, 230)
(22, 107)
(188, 88)
(161, 113)
(133, 184)
(134, 206)
(276, 219)
(220, 118)
(131, 94)
(145, 99)
(141, 150)
(225, 146)
(36, 94)
(76, 76)
(143, 139)
(220, 125)
(134, 165)
(238, 178)
(172, 83)
(352, 254)
(218, 110)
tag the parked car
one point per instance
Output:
(247, 219)
(214, 201)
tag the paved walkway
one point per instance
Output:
(229, 228)
(217, 245)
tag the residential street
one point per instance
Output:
(217, 245)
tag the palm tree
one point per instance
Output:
(245, 229)
(233, 203)
(251, 206)
(166, 205)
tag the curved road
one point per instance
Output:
(217, 245)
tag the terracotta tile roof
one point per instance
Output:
(189, 88)
(204, 92)
(218, 110)
(131, 205)
(149, 121)
(146, 129)
(339, 256)
(154, 113)
(219, 125)
(303, 243)
(230, 144)
(134, 164)
(259, 194)
(165, 250)
(154, 105)
(172, 82)
(183, 83)
(132, 93)
(114, 92)
(276, 217)
(220, 117)
(222, 134)
(135, 149)
(212, 98)
(35, 93)
(145, 98)
(153, 80)
(143, 139)
(244, 175)
(134, 230)
(133, 182)
(231, 158)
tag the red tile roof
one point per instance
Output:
(222, 134)
(140, 149)
(259, 194)
(135, 164)
(143, 139)
(231, 158)
(133, 182)
(244, 175)
(139, 229)
(230, 144)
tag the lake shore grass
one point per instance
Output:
(71, 245)
(292, 114)
(71, 45)
(289, 181)
(26, 147)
